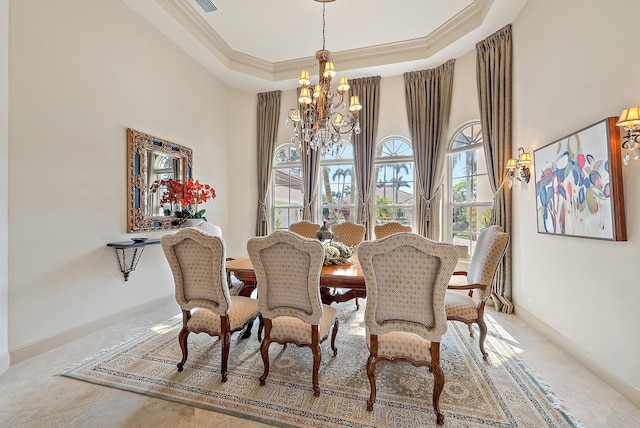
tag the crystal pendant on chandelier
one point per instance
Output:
(322, 120)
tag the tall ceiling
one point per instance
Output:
(261, 45)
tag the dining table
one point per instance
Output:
(338, 282)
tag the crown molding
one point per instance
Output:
(421, 48)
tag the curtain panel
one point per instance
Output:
(428, 102)
(494, 74)
(267, 130)
(364, 147)
(310, 171)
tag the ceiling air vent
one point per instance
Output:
(207, 5)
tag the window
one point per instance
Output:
(470, 195)
(394, 169)
(161, 167)
(337, 183)
(286, 188)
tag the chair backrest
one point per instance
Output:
(197, 261)
(305, 228)
(287, 268)
(390, 228)
(349, 233)
(210, 228)
(406, 276)
(490, 247)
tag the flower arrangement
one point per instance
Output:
(185, 194)
(337, 253)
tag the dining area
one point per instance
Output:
(293, 285)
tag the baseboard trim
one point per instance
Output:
(622, 387)
(4, 362)
(44, 345)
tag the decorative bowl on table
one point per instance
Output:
(139, 240)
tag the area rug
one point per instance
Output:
(500, 392)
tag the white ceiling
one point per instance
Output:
(261, 45)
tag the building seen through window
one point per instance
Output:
(286, 189)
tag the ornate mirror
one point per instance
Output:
(150, 159)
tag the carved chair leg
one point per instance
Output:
(182, 339)
(264, 350)
(438, 380)
(317, 358)
(371, 370)
(470, 326)
(483, 335)
(246, 330)
(333, 337)
(260, 327)
(226, 344)
(357, 305)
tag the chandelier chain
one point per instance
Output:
(323, 121)
(323, 25)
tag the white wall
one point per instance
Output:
(243, 184)
(80, 74)
(571, 69)
(4, 145)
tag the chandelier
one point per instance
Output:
(322, 118)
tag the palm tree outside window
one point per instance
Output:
(394, 182)
(470, 199)
(338, 190)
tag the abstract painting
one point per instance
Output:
(579, 184)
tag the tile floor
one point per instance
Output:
(33, 394)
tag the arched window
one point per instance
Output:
(394, 170)
(286, 187)
(470, 196)
(337, 185)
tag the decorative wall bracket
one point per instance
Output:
(129, 254)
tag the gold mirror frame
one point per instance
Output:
(141, 147)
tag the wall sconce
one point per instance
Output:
(630, 120)
(518, 171)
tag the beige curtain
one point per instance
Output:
(493, 73)
(310, 167)
(268, 118)
(364, 147)
(428, 99)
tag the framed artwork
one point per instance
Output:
(579, 189)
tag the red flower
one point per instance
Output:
(190, 192)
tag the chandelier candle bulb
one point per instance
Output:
(305, 96)
(329, 70)
(304, 78)
(343, 86)
(355, 105)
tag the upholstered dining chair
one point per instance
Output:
(197, 261)
(210, 228)
(406, 276)
(287, 268)
(305, 228)
(349, 234)
(490, 247)
(387, 229)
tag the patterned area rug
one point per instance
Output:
(500, 392)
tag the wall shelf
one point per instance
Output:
(129, 254)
